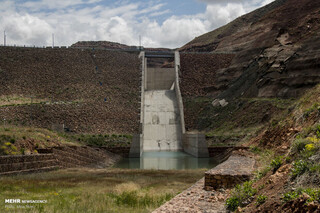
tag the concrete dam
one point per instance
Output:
(161, 115)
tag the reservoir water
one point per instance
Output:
(166, 160)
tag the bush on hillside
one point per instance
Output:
(241, 196)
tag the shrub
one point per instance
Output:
(232, 203)
(299, 145)
(290, 196)
(241, 196)
(314, 108)
(299, 167)
(315, 168)
(310, 147)
(318, 130)
(127, 198)
(261, 173)
(313, 139)
(276, 163)
(96, 141)
(261, 199)
(255, 149)
(313, 193)
(8, 149)
(133, 199)
(261, 187)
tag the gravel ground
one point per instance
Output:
(196, 199)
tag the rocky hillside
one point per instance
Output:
(275, 48)
(256, 66)
(84, 91)
(258, 86)
(287, 154)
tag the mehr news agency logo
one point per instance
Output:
(21, 204)
(19, 201)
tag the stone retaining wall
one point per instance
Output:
(27, 163)
(226, 175)
(55, 158)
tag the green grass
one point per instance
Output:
(277, 102)
(92, 190)
(41, 138)
(261, 199)
(14, 100)
(234, 136)
(314, 194)
(305, 147)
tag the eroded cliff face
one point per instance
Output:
(275, 53)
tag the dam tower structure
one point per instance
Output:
(161, 115)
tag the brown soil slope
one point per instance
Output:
(275, 48)
(87, 90)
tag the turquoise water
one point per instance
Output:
(166, 161)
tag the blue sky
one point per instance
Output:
(161, 23)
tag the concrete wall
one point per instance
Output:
(160, 78)
(195, 144)
(162, 129)
(178, 92)
(136, 146)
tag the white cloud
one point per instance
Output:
(32, 23)
(218, 15)
(25, 29)
(174, 32)
(265, 2)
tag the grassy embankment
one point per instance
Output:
(16, 140)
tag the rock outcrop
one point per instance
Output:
(275, 53)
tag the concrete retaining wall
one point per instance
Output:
(178, 92)
(195, 144)
(136, 148)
